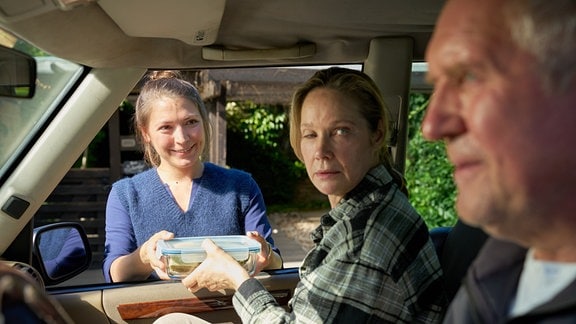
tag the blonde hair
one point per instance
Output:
(165, 84)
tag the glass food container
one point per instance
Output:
(182, 255)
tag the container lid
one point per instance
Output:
(238, 246)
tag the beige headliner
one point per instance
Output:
(340, 30)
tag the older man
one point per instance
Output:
(504, 73)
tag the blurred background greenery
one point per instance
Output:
(428, 172)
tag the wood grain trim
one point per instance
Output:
(154, 309)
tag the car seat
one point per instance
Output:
(457, 247)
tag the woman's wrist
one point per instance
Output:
(273, 260)
(269, 251)
(239, 278)
(143, 255)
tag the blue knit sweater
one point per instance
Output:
(218, 207)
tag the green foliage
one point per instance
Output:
(266, 125)
(258, 142)
(428, 172)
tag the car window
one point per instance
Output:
(20, 118)
(253, 95)
(250, 92)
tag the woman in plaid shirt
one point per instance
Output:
(373, 261)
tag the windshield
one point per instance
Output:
(20, 118)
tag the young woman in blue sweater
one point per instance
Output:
(180, 196)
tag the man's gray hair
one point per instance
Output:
(547, 29)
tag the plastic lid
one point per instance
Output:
(238, 246)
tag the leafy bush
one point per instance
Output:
(258, 142)
(428, 172)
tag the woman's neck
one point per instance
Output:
(177, 176)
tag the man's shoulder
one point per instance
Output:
(498, 256)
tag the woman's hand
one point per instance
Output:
(148, 253)
(266, 253)
(218, 271)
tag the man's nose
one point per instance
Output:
(442, 119)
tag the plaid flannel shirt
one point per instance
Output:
(373, 262)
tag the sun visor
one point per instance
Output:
(224, 54)
(195, 22)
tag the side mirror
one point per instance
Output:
(17, 74)
(61, 251)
